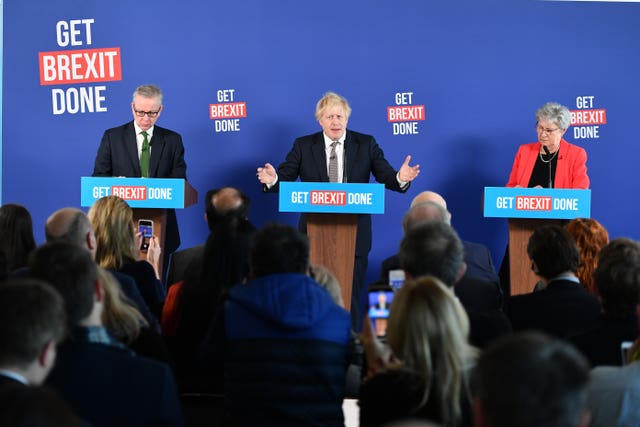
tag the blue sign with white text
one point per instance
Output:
(331, 197)
(546, 203)
(137, 192)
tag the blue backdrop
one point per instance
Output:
(479, 68)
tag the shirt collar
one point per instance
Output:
(14, 376)
(139, 129)
(328, 141)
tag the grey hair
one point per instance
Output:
(555, 113)
(148, 91)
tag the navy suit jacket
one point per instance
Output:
(110, 386)
(363, 157)
(118, 156)
(563, 309)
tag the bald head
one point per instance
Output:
(225, 202)
(70, 225)
(429, 196)
(423, 212)
(227, 199)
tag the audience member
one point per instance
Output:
(72, 225)
(591, 236)
(425, 376)
(476, 256)
(125, 322)
(285, 339)
(563, 308)
(433, 248)
(617, 281)
(34, 407)
(16, 235)
(219, 203)
(325, 278)
(32, 323)
(530, 380)
(103, 381)
(224, 264)
(112, 221)
(614, 392)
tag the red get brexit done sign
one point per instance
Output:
(78, 63)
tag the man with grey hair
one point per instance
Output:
(431, 206)
(433, 248)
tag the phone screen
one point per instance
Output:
(145, 227)
(379, 305)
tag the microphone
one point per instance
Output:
(548, 153)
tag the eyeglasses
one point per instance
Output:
(541, 129)
(150, 114)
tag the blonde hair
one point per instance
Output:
(325, 278)
(112, 221)
(119, 316)
(428, 331)
(332, 98)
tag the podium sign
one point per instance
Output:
(541, 203)
(164, 193)
(331, 197)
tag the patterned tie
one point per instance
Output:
(333, 163)
(144, 156)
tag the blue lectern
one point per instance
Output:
(331, 210)
(528, 209)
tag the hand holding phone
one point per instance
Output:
(145, 228)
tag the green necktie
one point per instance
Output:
(144, 156)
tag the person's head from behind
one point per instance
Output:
(433, 248)
(590, 236)
(278, 248)
(424, 211)
(223, 203)
(553, 251)
(71, 225)
(16, 230)
(332, 112)
(146, 105)
(617, 277)
(530, 380)
(70, 269)
(32, 323)
(428, 331)
(112, 221)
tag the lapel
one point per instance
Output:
(156, 151)
(319, 156)
(350, 154)
(131, 143)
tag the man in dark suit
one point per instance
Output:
(433, 248)
(142, 149)
(340, 155)
(563, 308)
(219, 203)
(476, 255)
(32, 323)
(104, 382)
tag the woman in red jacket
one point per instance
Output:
(552, 161)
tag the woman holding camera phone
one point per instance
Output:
(423, 371)
(118, 245)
